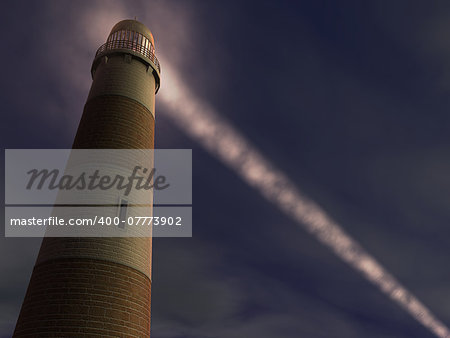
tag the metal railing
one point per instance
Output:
(131, 45)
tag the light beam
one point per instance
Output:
(205, 125)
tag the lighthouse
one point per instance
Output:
(101, 286)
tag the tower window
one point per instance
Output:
(122, 214)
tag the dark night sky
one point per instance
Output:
(350, 99)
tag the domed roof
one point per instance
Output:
(133, 25)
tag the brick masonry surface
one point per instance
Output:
(115, 122)
(76, 297)
(98, 287)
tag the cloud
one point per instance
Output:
(66, 57)
(199, 292)
(204, 124)
(18, 257)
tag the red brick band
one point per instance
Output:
(76, 297)
(115, 122)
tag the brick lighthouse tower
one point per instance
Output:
(100, 286)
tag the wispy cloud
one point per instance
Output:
(83, 27)
(205, 125)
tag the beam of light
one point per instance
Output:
(204, 124)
